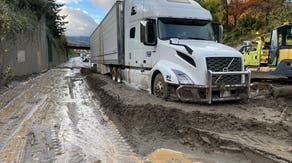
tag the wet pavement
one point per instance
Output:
(75, 62)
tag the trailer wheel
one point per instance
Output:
(160, 88)
(114, 73)
(119, 75)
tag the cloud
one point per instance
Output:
(80, 23)
(97, 18)
(69, 1)
(107, 4)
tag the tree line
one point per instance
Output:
(246, 17)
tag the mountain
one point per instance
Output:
(78, 40)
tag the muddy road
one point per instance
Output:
(65, 116)
(53, 118)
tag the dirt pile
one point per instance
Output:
(151, 123)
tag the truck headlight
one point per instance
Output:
(183, 78)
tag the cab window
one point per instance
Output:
(132, 32)
(274, 40)
(289, 37)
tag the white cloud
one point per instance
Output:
(97, 18)
(69, 1)
(80, 23)
(107, 4)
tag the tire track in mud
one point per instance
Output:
(8, 97)
(20, 124)
(20, 106)
(39, 145)
(85, 134)
(55, 125)
(212, 131)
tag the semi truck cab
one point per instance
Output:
(170, 47)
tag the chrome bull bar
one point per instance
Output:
(245, 84)
(246, 81)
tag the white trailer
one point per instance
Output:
(169, 47)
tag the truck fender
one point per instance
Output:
(165, 68)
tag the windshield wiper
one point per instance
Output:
(167, 38)
(195, 38)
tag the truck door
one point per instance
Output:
(142, 44)
(148, 39)
(132, 45)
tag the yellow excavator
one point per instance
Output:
(275, 56)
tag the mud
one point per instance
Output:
(256, 131)
(64, 116)
(53, 118)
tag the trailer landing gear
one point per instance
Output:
(116, 74)
(119, 75)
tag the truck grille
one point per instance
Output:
(225, 64)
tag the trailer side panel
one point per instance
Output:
(107, 41)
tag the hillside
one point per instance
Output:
(78, 40)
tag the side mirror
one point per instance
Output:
(247, 43)
(133, 10)
(174, 41)
(242, 49)
(148, 32)
(218, 32)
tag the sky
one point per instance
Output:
(84, 15)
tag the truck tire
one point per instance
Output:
(160, 88)
(119, 75)
(114, 73)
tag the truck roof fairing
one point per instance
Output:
(175, 8)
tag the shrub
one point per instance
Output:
(6, 76)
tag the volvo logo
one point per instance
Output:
(226, 69)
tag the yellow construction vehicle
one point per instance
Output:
(275, 56)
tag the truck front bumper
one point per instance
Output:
(215, 92)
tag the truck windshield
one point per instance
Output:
(185, 29)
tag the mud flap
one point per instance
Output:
(284, 68)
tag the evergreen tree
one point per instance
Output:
(55, 22)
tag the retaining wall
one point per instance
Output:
(29, 52)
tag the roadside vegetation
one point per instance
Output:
(6, 76)
(245, 20)
(73, 53)
(22, 16)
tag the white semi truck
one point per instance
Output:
(169, 47)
